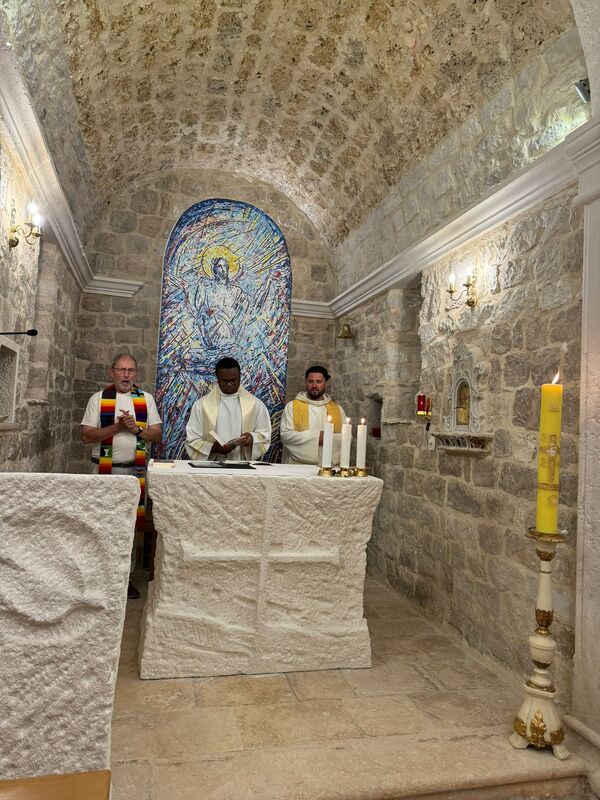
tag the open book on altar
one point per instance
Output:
(221, 464)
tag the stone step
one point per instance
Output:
(473, 767)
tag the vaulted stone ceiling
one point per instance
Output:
(331, 101)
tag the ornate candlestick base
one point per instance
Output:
(362, 472)
(345, 472)
(325, 472)
(538, 722)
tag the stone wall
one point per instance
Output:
(450, 531)
(36, 290)
(532, 113)
(129, 240)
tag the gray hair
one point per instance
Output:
(119, 356)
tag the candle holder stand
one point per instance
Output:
(325, 472)
(343, 472)
(538, 721)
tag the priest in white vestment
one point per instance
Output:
(228, 423)
(303, 420)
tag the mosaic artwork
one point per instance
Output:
(226, 292)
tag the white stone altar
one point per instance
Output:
(256, 571)
(65, 547)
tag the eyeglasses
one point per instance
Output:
(125, 370)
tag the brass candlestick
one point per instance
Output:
(538, 722)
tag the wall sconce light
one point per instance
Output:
(469, 292)
(582, 88)
(424, 406)
(30, 230)
(345, 331)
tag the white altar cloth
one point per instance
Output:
(256, 571)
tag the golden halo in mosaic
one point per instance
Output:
(218, 251)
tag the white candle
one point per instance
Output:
(346, 442)
(361, 445)
(327, 451)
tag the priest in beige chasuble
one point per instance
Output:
(228, 423)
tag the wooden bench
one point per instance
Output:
(78, 786)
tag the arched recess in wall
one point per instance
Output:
(226, 291)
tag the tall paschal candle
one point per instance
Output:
(546, 519)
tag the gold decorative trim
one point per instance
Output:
(542, 536)
(544, 618)
(549, 487)
(544, 555)
(538, 729)
(520, 727)
(550, 689)
(557, 737)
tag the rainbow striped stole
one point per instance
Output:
(108, 402)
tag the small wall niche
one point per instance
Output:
(9, 357)
(463, 425)
(374, 407)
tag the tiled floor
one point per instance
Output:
(308, 735)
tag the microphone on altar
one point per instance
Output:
(30, 332)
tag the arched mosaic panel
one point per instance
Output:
(226, 292)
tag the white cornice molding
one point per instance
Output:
(311, 308)
(583, 148)
(547, 175)
(24, 132)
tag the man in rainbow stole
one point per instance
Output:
(228, 423)
(303, 419)
(120, 422)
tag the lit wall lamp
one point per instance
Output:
(582, 88)
(469, 292)
(30, 230)
(345, 331)
(424, 406)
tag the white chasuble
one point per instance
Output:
(228, 415)
(302, 447)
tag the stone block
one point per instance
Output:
(565, 325)
(491, 538)
(109, 243)
(464, 498)
(518, 481)
(501, 338)
(513, 272)
(122, 221)
(95, 302)
(64, 567)
(484, 472)
(499, 507)
(138, 245)
(516, 370)
(544, 365)
(450, 464)
(504, 575)
(526, 408)
(502, 444)
(145, 201)
(434, 488)
(554, 295)
(215, 608)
